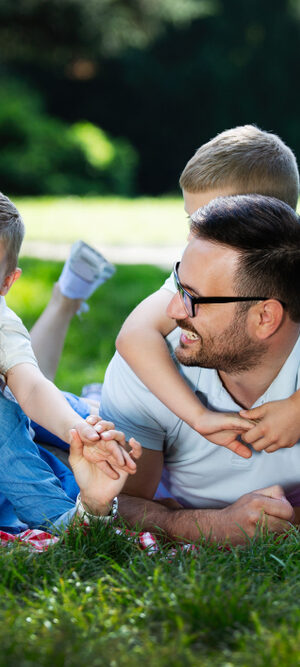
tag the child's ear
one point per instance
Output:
(9, 281)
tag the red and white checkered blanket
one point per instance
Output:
(38, 540)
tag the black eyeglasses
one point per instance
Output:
(190, 301)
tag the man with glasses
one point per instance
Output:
(191, 301)
(238, 312)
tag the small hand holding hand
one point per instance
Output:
(278, 425)
(222, 428)
(109, 450)
(86, 431)
(104, 444)
(99, 483)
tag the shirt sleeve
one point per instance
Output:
(15, 343)
(130, 405)
(169, 284)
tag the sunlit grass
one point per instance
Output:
(96, 599)
(90, 342)
(105, 220)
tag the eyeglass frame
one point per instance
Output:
(191, 301)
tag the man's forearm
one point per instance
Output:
(186, 524)
(266, 507)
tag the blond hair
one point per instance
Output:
(11, 232)
(244, 160)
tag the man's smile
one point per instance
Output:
(188, 337)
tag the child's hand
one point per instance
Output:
(222, 428)
(278, 425)
(109, 452)
(87, 432)
(97, 486)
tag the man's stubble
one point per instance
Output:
(232, 351)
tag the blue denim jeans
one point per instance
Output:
(31, 480)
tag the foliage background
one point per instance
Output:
(158, 77)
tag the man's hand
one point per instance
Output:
(97, 488)
(108, 451)
(222, 428)
(265, 508)
(278, 425)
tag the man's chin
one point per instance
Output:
(184, 356)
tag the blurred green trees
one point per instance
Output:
(165, 74)
(114, 162)
(61, 30)
(41, 154)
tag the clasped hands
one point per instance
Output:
(269, 427)
(102, 466)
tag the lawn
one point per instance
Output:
(105, 220)
(95, 599)
(90, 342)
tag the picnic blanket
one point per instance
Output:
(39, 540)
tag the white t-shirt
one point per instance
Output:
(197, 472)
(169, 284)
(15, 343)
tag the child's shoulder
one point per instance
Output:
(11, 326)
(15, 342)
(8, 316)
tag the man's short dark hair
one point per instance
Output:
(266, 234)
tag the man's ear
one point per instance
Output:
(267, 317)
(9, 281)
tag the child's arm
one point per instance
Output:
(44, 403)
(278, 426)
(141, 343)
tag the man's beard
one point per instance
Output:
(232, 351)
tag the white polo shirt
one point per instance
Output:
(197, 472)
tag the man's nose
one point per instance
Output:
(176, 309)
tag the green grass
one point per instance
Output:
(95, 599)
(90, 342)
(105, 220)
